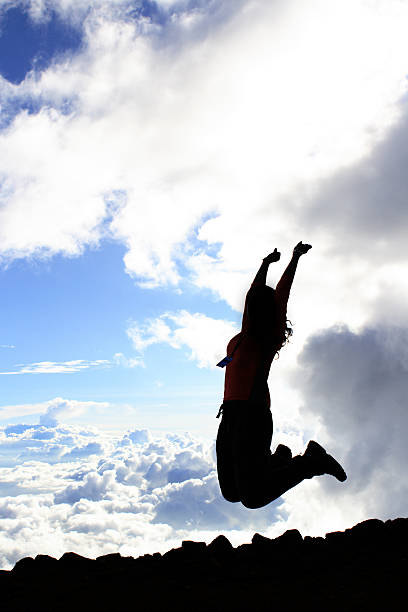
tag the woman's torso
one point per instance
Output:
(247, 374)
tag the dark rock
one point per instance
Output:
(372, 526)
(397, 527)
(261, 541)
(45, 563)
(24, 567)
(314, 541)
(291, 538)
(245, 549)
(110, 558)
(113, 562)
(4, 579)
(194, 549)
(220, 546)
(72, 562)
(335, 536)
(362, 568)
(175, 555)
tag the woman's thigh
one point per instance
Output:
(253, 450)
(243, 448)
(225, 462)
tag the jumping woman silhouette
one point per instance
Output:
(247, 470)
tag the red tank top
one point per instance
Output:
(247, 374)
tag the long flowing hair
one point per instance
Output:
(288, 334)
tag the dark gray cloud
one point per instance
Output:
(357, 384)
(365, 205)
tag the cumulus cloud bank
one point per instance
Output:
(59, 408)
(134, 493)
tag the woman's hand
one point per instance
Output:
(301, 249)
(272, 257)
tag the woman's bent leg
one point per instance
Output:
(225, 460)
(259, 478)
(248, 472)
(269, 482)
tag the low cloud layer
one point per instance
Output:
(103, 493)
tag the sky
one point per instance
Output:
(152, 153)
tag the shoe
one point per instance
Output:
(282, 454)
(319, 462)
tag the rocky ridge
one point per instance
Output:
(362, 568)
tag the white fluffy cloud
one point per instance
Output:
(61, 408)
(202, 148)
(203, 336)
(164, 128)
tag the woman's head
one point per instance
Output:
(261, 306)
(264, 319)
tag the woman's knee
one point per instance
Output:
(258, 497)
(230, 497)
(228, 490)
(252, 502)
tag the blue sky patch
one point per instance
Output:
(25, 45)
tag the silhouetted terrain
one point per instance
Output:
(363, 568)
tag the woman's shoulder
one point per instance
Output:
(233, 342)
